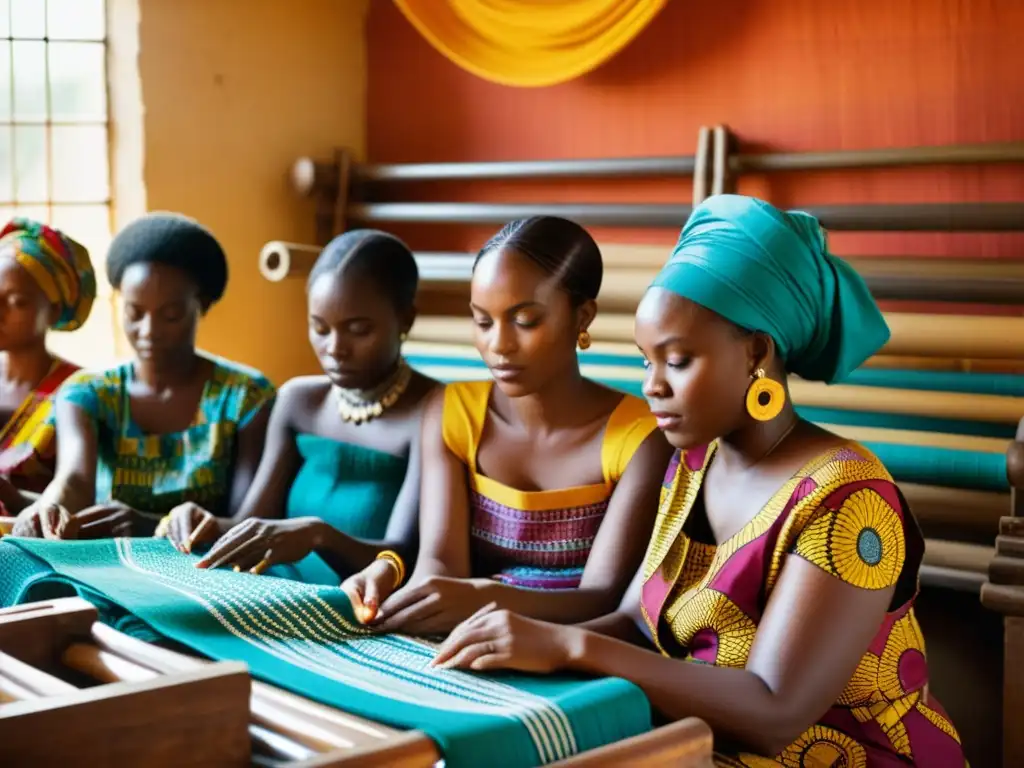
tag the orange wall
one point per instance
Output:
(232, 93)
(789, 75)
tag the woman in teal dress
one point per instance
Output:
(174, 425)
(339, 480)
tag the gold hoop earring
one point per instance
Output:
(765, 397)
(403, 337)
(583, 340)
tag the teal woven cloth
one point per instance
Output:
(304, 638)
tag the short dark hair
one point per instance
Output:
(560, 247)
(174, 240)
(376, 256)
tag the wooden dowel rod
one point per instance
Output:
(993, 409)
(956, 555)
(977, 510)
(277, 746)
(108, 667)
(308, 726)
(103, 665)
(12, 691)
(34, 679)
(913, 334)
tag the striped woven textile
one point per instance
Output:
(304, 638)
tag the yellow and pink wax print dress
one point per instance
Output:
(536, 539)
(843, 513)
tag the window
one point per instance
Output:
(54, 146)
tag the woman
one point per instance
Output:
(175, 425)
(542, 484)
(46, 282)
(341, 464)
(784, 560)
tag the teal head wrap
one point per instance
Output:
(770, 271)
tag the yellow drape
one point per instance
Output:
(529, 43)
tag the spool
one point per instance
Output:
(280, 260)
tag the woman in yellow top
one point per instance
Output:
(540, 488)
(777, 598)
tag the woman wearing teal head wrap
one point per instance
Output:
(784, 558)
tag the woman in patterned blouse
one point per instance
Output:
(776, 601)
(175, 425)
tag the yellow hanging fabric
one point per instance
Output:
(529, 43)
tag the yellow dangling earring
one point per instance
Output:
(583, 340)
(765, 397)
(403, 337)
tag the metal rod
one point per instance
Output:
(621, 215)
(308, 173)
(923, 217)
(613, 167)
(1010, 152)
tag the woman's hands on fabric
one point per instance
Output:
(189, 524)
(432, 606)
(41, 520)
(256, 544)
(498, 639)
(369, 588)
(104, 521)
(52, 521)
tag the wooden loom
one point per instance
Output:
(116, 700)
(969, 519)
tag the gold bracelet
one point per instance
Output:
(394, 559)
(162, 527)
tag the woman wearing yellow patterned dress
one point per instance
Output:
(776, 602)
(172, 426)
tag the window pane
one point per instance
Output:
(5, 80)
(30, 185)
(75, 19)
(88, 224)
(80, 169)
(77, 82)
(6, 165)
(30, 81)
(5, 18)
(34, 212)
(28, 18)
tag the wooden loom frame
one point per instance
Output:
(142, 688)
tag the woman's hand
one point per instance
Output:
(104, 521)
(432, 606)
(256, 544)
(42, 520)
(369, 588)
(497, 639)
(189, 524)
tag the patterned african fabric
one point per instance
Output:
(305, 638)
(536, 539)
(28, 450)
(60, 267)
(155, 473)
(843, 513)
